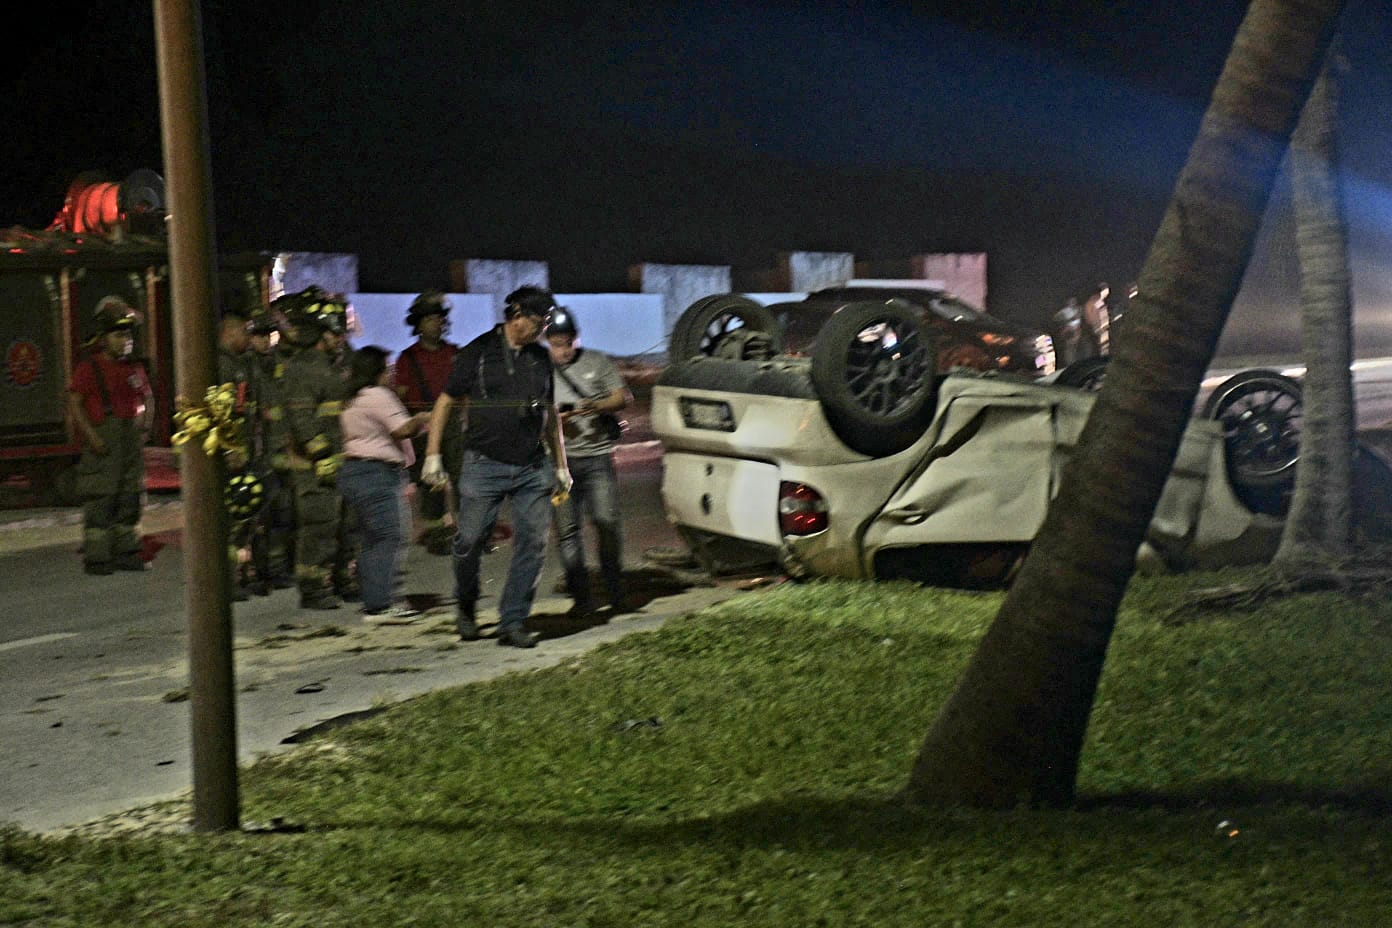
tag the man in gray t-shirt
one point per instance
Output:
(589, 391)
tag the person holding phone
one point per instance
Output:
(590, 392)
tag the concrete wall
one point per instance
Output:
(620, 324)
(380, 318)
(292, 271)
(963, 274)
(486, 275)
(680, 285)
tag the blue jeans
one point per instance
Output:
(376, 491)
(595, 495)
(483, 485)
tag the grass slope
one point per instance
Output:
(739, 767)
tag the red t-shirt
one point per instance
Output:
(127, 387)
(434, 370)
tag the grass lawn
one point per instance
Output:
(739, 767)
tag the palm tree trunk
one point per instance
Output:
(1013, 729)
(1319, 526)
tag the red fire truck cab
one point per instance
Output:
(108, 239)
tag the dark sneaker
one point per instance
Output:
(321, 601)
(259, 588)
(97, 569)
(349, 593)
(283, 582)
(515, 637)
(239, 595)
(468, 628)
(132, 562)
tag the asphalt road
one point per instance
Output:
(93, 670)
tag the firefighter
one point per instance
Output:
(421, 372)
(313, 397)
(333, 305)
(111, 407)
(273, 548)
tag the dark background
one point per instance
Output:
(598, 134)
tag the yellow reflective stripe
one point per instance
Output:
(317, 444)
(273, 413)
(330, 408)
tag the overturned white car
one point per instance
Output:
(752, 478)
(946, 479)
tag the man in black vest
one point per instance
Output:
(505, 377)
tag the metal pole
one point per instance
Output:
(184, 128)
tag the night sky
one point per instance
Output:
(597, 134)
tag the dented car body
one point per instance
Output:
(761, 476)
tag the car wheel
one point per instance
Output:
(1261, 415)
(873, 369)
(725, 325)
(1086, 374)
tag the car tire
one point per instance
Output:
(1260, 412)
(873, 367)
(752, 329)
(1086, 374)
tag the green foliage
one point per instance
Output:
(741, 766)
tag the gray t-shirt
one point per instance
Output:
(596, 376)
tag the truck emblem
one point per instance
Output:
(23, 363)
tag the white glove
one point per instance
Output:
(433, 472)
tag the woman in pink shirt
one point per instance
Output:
(377, 433)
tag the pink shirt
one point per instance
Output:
(367, 422)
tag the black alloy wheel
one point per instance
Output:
(873, 367)
(1261, 415)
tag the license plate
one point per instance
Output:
(714, 415)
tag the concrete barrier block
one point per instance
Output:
(961, 273)
(814, 270)
(487, 275)
(680, 285)
(292, 271)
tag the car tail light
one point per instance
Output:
(801, 509)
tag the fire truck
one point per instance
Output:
(108, 238)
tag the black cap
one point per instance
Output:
(563, 322)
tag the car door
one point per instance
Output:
(991, 470)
